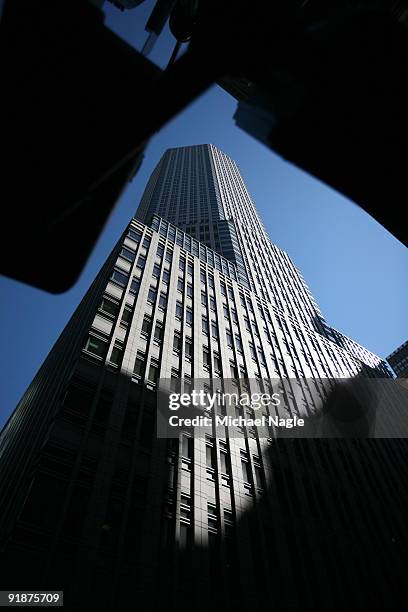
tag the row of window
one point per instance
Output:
(121, 278)
(191, 245)
(98, 346)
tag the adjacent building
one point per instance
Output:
(398, 360)
(95, 504)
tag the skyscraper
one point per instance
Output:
(97, 505)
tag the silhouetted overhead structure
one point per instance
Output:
(125, 4)
(323, 85)
(66, 137)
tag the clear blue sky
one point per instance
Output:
(356, 270)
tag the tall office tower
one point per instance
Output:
(95, 504)
(200, 190)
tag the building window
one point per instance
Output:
(230, 342)
(212, 303)
(134, 235)
(146, 325)
(212, 517)
(166, 276)
(152, 295)
(206, 358)
(203, 298)
(187, 384)
(153, 372)
(134, 286)
(244, 374)
(160, 251)
(189, 316)
(97, 346)
(180, 285)
(214, 329)
(162, 301)
(210, 456)
(158, 332)
(141, 261)
(138, 369)
(225, 462)
(156, 270)
(116, 355)
(179, 310)
(259, 475)
(119, 278)
(190, 269)
(229, 531)
(246, 471)
(127, 254)
(234, 370)
(185, 507)
(187, 452)
(237, 415)
(177, 343)
(126, 316)
(228, 516)
(175, 373)
(204, 325)
(189, 348)
(189, 290)
(169, 256)
(186, 447)
(109, 307)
